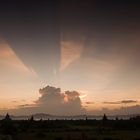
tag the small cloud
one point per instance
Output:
(129, 101)
(111, 102)
(121, 102)
(89, 103)
(26, 105)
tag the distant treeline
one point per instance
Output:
(87, 129)
(10, 126)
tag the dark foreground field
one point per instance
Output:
(70, 130)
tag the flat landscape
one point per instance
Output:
(70, 130)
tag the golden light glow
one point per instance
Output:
(13, 74)
(10, 59)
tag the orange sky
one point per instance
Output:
(20, 84)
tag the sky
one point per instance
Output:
(70, 57)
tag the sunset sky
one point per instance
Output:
(70, 57)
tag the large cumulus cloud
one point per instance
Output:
(53, 101)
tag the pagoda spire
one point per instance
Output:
(7, 117)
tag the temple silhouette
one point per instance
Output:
(7, 117)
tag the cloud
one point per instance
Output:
(89, 103)
(122, 102)
(53, 101)
(50, 95)
(26, 105)
(71, 95)
(128, 101)
(111, 102)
